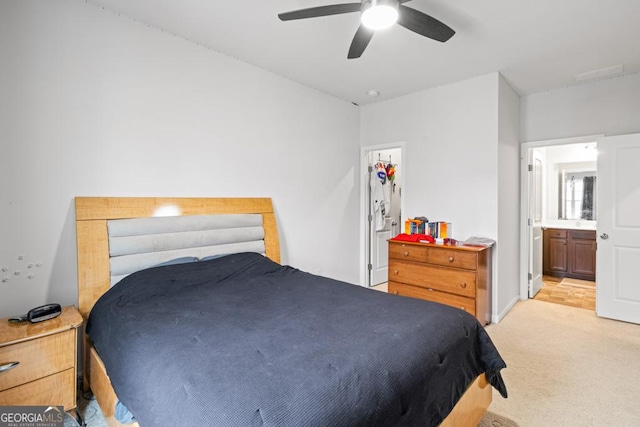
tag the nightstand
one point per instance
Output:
(47, 356)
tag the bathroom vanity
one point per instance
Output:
(569, 253)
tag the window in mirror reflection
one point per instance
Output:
(578, 192)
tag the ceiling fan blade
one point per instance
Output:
(424, 24)
(314, 12)
(360, 42)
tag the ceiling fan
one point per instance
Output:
(377, 14)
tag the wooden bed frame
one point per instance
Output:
(92, 214)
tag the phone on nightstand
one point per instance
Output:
(38, 314)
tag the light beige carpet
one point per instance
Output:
(567, 367)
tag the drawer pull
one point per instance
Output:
(405, 253)
(8, 366)
(463, 285)
(450, 259)
(463, 309)
(396, 272)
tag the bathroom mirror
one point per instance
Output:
(577, 191)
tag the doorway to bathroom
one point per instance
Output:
(559, 206)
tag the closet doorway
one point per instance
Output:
(381, 208)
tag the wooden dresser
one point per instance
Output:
(459, 276)
(47, 355)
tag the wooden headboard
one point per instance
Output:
(92, 214)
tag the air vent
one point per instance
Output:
(598, 74)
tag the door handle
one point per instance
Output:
(604, 236)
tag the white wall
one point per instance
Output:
(95, 104)
(508, 244)
(451, 151)
(454, 157)
(609, 107)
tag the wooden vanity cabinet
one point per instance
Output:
(569, 253)
(556, 250)
(459, 276)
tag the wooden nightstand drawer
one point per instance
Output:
(38, 358)
(453, 258)
(47, 354)
(436, 278)
(408, 252)
(53, 390)
(462, 303)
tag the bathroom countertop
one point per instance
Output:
(571, 225)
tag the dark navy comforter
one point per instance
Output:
(243, 341)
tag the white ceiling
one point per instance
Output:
(536, 45)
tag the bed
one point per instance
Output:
(238, 339)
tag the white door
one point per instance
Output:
(379, 227)
(618, 251)
(535, 260)
(379, 249)
(380, 254)
(535, 218)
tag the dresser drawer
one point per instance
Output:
(54, 390)
(452, 258)
(408, 252)
(454, 281)
(38, 358)
(462, 303)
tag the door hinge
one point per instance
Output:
(530, 168)
(529, 221)
(370, 169)
(370, 218)
(369, 267)
(529, 276)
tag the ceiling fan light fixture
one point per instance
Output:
(379, 14)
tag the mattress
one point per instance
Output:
(243, 341)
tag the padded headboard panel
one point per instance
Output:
(139, 243)
(93, 214)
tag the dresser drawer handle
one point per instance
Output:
(405, 253)
(463, 285)
(450, 259)
(396, 272)
(8, 366)
(395, 292)
(463, 309)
